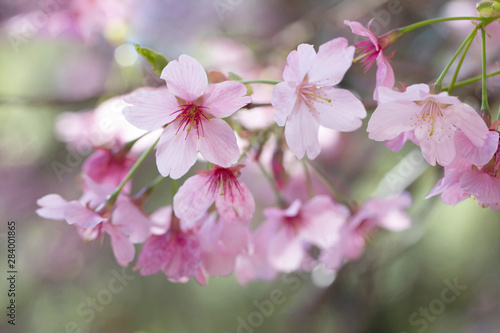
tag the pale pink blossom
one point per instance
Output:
(221, 244)
(232, 198)
(474, 172)
(372, 51)
(375, 213)
(307, 98)
(432, 118)
(192, 111)
(125, 222)
(293, 231)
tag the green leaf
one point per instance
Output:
(156, 60)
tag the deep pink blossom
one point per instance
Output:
(106, 166)
(371, 51)
(307, 98)
(175, 252)
(191, 109)
(432, 118)
(384, 213)
(232, 198)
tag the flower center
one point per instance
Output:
(367, 53)
(311, 94)
(429, 113)
(191, 116)
(223, 181)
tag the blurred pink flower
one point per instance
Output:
(126, 223)
(385, 213)
(293, 231)
(474, 172)
(106, 166)
(189, 105)
(233, 199)
(372, 50)
(221, 244)
(432, 118)
(307, 99)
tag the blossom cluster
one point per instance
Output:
(209, 229)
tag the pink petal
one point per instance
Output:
(391, 119)
(218, 145)
(225, 98)
(343, 113)
(398, 142)
(81, 216)
(122, 247)
(298, 63)
(150, 108)
(185, 78)
(52, 207)
(466, 118)
(335, 52)
(161, 220)
(358, 29)
(210, 233)
(438, 147)
(176, 152)
(283, 100)
(479, 156)
(192, 201)
(485, 187)
(322, 221)
(301, 132)
(155, 254)
(385, 74)
(285, 251)
(240, 209)
(186, 260)
(415, 92)
(131, 221)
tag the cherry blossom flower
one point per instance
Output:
(432, 118)
(105, 166)
(372, 51)
(385, 213)
(191, 109)
(474, 172)
(175, 252)
(125, 223)
(293, 231)
(233, 199)
(307, 98)
(221, 244)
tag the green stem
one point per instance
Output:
(260, 81)
(112, 197)
(471, 80)
(440, 79)
(460, 62)
(417, 25)
(175, 187)
(484, 99)
(309, 183)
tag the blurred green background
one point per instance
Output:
(401, 275)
